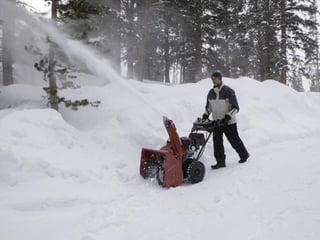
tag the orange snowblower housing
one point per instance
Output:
(158, 163)
(176, 160)
(168, 159)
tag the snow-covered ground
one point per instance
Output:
(75, 175)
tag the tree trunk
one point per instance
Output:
(226, 38)
(130, 39)
(142, 63)
(198, 45)
(53, 98)
(266, 40)
(7, 60)
(259, 67)
(166, 53)
(260, 55)
(314, 66)
(183, 57)
(117, 40)
(283, 51)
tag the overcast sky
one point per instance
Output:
(39, 5)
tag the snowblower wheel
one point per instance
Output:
(185, 166)
(195, 172)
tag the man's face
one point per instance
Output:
(216, 81)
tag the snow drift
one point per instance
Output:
(75, 175)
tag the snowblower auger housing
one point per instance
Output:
(178, 159)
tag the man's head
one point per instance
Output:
(216, 78)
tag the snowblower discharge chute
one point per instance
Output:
(178, 160)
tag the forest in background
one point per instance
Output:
(183, 41)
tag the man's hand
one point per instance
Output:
(205, 116)
(225, 120)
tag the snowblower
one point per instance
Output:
(178, 160)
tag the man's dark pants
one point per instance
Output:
(232, 135)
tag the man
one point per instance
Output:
(222, 104)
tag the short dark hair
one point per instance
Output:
(217, 75)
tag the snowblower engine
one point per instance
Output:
(178, 160)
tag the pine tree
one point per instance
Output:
(190, 47)
(72, 9)
(164, 30)
(312, 51)
(262, 38)
(293, 34)
(53, 90)
(256, 38)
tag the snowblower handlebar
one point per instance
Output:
(205, 125)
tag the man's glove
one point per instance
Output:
(225, 120)
(205, 116)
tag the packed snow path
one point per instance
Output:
(273, 196)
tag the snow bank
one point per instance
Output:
(75, 175)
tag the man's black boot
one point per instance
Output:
(243, 160)
(219, 165)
